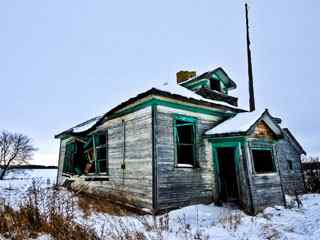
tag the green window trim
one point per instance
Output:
(71, 149)
(196, 84)
(98, 144)
(188, 121)
(223, 87)
(235, 143)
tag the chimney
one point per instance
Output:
(183, 76)
(252, 106)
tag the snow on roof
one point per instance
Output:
(239, 123)
(85, 125)
(174, 88)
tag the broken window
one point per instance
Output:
(185, 136)
(263, 161)
(68, 163)
(100, 141)
(96, 154)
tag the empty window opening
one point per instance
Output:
(263, 161)
(185, 142)
(290, 165)
(95, 154)
(89, 156)
(215, 85)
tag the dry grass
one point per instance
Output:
(56, 213)
(91, 203)
(43, 212)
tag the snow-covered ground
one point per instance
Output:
(16, 183)
(193, 222)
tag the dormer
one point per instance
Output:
(214, 85)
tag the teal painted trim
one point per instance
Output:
(227, 140)
(225, 144)
(97, 170)
(215, 162)
(165, 103)
(192, 121)
(197, 84)
(262, 147)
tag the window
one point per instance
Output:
(290, 165)
(215, 85)
(68, 163)
(185, 135)
(100, 153)
(263, 161)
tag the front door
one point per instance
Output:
(227, 174)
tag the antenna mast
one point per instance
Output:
(250, 75)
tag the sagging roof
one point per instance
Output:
(242, 123)
(173, 91)
(79, 128)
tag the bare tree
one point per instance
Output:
(15, 149)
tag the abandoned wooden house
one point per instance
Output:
(181, 144)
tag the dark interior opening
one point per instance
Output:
(215, 85)
(290, 165)
(262, 160)
(185, 142)
(228, 176)
(73, 159)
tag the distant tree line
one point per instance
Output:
(311, 170)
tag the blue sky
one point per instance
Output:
(62, 62)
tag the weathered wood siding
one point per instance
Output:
(130, 145)
(292, 180)
(266, 189)
(62, 150)
(262, 130)
(244, 179)
(182, 186)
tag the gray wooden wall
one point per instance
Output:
(266, 189)
(177, 186)
(62, 150)
(129, 143)
(292, 180)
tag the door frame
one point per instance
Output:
(216, 167)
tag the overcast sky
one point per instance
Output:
(62, 62)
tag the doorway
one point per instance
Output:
(227, 172)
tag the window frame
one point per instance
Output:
(193, 122)
(275, 170)
(96, 161)
(68, 167)
(290, 169)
